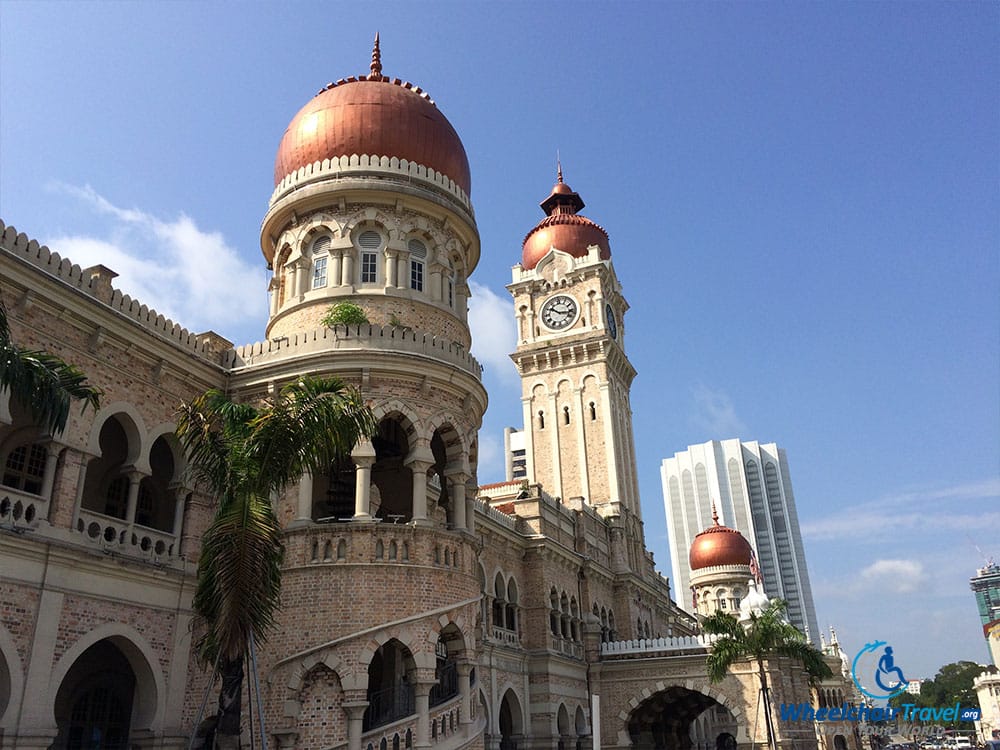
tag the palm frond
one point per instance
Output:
(239, 576)
(42, 382)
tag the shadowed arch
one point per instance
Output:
(665, 719)
(150, 686)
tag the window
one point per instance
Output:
(593, 411)
(565, 415)
(319, 272)
(370, 243)
(541, 420)
(451, 292)
(417, 275)
(418, 253)
(25, 467)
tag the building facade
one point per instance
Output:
(418, 609)
(751, 486)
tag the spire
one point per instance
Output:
(833, 637)
(715, 514)
(376, 60)
(559, 177)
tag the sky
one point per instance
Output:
(803, 201)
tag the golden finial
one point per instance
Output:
(376, 60)
(558, 167)
(715, 514)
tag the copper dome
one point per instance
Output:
(719, 545)
(377, 116)
(563, 228)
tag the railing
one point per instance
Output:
(114, 535)
(496, 515)
(21, 509)
(447, 685)
(568, 647)
(386, 706)
(507, 637)
(648, 645)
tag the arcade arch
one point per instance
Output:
(677, 718)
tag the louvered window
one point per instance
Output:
(320, 249)
(418, 253)
(370, 242)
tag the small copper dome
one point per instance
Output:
(377, 116)
(719, 545)
(563, 228)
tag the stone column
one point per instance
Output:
(363, 456)
(272, 294)
(390, 268)
(457, 494)
(52, 450)
(180, 495)
(355, 716)
(421, 694)
(403, 272)
(81, 481)
(134, 478)
(470, 506)
(334, 275)
(419, 466)
(436, 282)
(465, 691)
(303, 512)
(347, 273)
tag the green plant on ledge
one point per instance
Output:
(344, 313)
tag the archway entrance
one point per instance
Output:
(511, 722)
(682, 719)
(93, 706)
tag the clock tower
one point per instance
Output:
(575, 376)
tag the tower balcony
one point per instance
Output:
(355, 343)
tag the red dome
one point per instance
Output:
(563, 228)
(719, 545)
(376, 116)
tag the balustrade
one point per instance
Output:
(115, 535)
(21, 509)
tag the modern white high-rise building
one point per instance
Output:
(752, 488)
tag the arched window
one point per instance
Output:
(512, 605)
(320, 250)
(25, 467)
(565, 415)
(541, 420)
(451, 291)
(418, 254)
(593, 411)
(370, 243)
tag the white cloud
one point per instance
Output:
(933, 510)
(716, 414)
(900, 576)
(493, 334)
(182, 271)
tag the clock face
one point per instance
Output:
(609, 315)
(559, 312)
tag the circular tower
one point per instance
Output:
(370, 220)
(721, 564)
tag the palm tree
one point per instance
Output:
(42, 382)
(765, 634)
(244, 454)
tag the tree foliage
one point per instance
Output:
(952, 684)
(766, 635)
(244, 454)
(344, 313)
(42, 382)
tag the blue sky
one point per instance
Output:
(802, 200)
